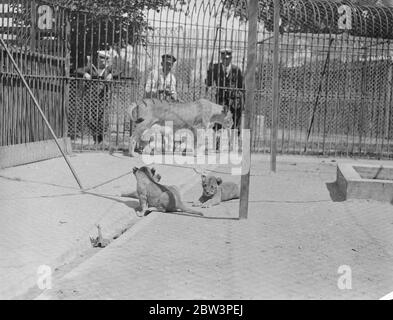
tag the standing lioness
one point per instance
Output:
(192, 115)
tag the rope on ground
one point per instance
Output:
(109, 181)
(194, 169)
(167, 165)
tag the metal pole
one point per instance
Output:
(40, 110)
(276, 87)
(318, 95)
(250, 100)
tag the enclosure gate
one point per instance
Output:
(37, 36)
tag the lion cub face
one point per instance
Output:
(210, 185)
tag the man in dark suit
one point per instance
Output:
(229, 81)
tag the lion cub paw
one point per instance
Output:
(206, 205)
(197, 204)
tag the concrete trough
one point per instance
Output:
(363, 181)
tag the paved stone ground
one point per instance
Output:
(299, 232)
(46, 220)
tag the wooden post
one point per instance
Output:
(276, 87)
(40, 110)
(250, 101)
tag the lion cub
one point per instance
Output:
(155, 196)
(215, 191)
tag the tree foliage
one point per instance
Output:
(100, 24)
(99, 8)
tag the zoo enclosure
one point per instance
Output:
(335, 70)
(37, 36)
(335, 78)
(192, 31)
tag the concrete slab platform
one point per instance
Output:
(24, 153)
(365, 181)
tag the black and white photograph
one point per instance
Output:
(196, 150)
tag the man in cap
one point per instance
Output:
(229, 80)
(107, 66)
(162, 83)
(96, 95)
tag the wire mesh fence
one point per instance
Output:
(97, 116)
(335, 68)
(132, 54)
(335, 77)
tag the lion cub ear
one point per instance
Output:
(153, 171)
(203, 176)
(219, 180)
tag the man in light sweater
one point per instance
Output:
(162, 83)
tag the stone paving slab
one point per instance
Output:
(298, 234)
(46, 220)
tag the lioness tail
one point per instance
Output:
(189, 210)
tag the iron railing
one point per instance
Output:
(37, 36)
(335, 70)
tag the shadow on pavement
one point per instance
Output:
(16, 179)
(288, 201)
(185, 214)
(335, 193)
(131, 204)
(109, 181)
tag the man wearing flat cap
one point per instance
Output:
(107, 68)
(229, 81)
(162, 83)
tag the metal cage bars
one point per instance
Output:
(335, 69)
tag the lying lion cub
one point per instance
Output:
(215, 191)
(155, 196)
